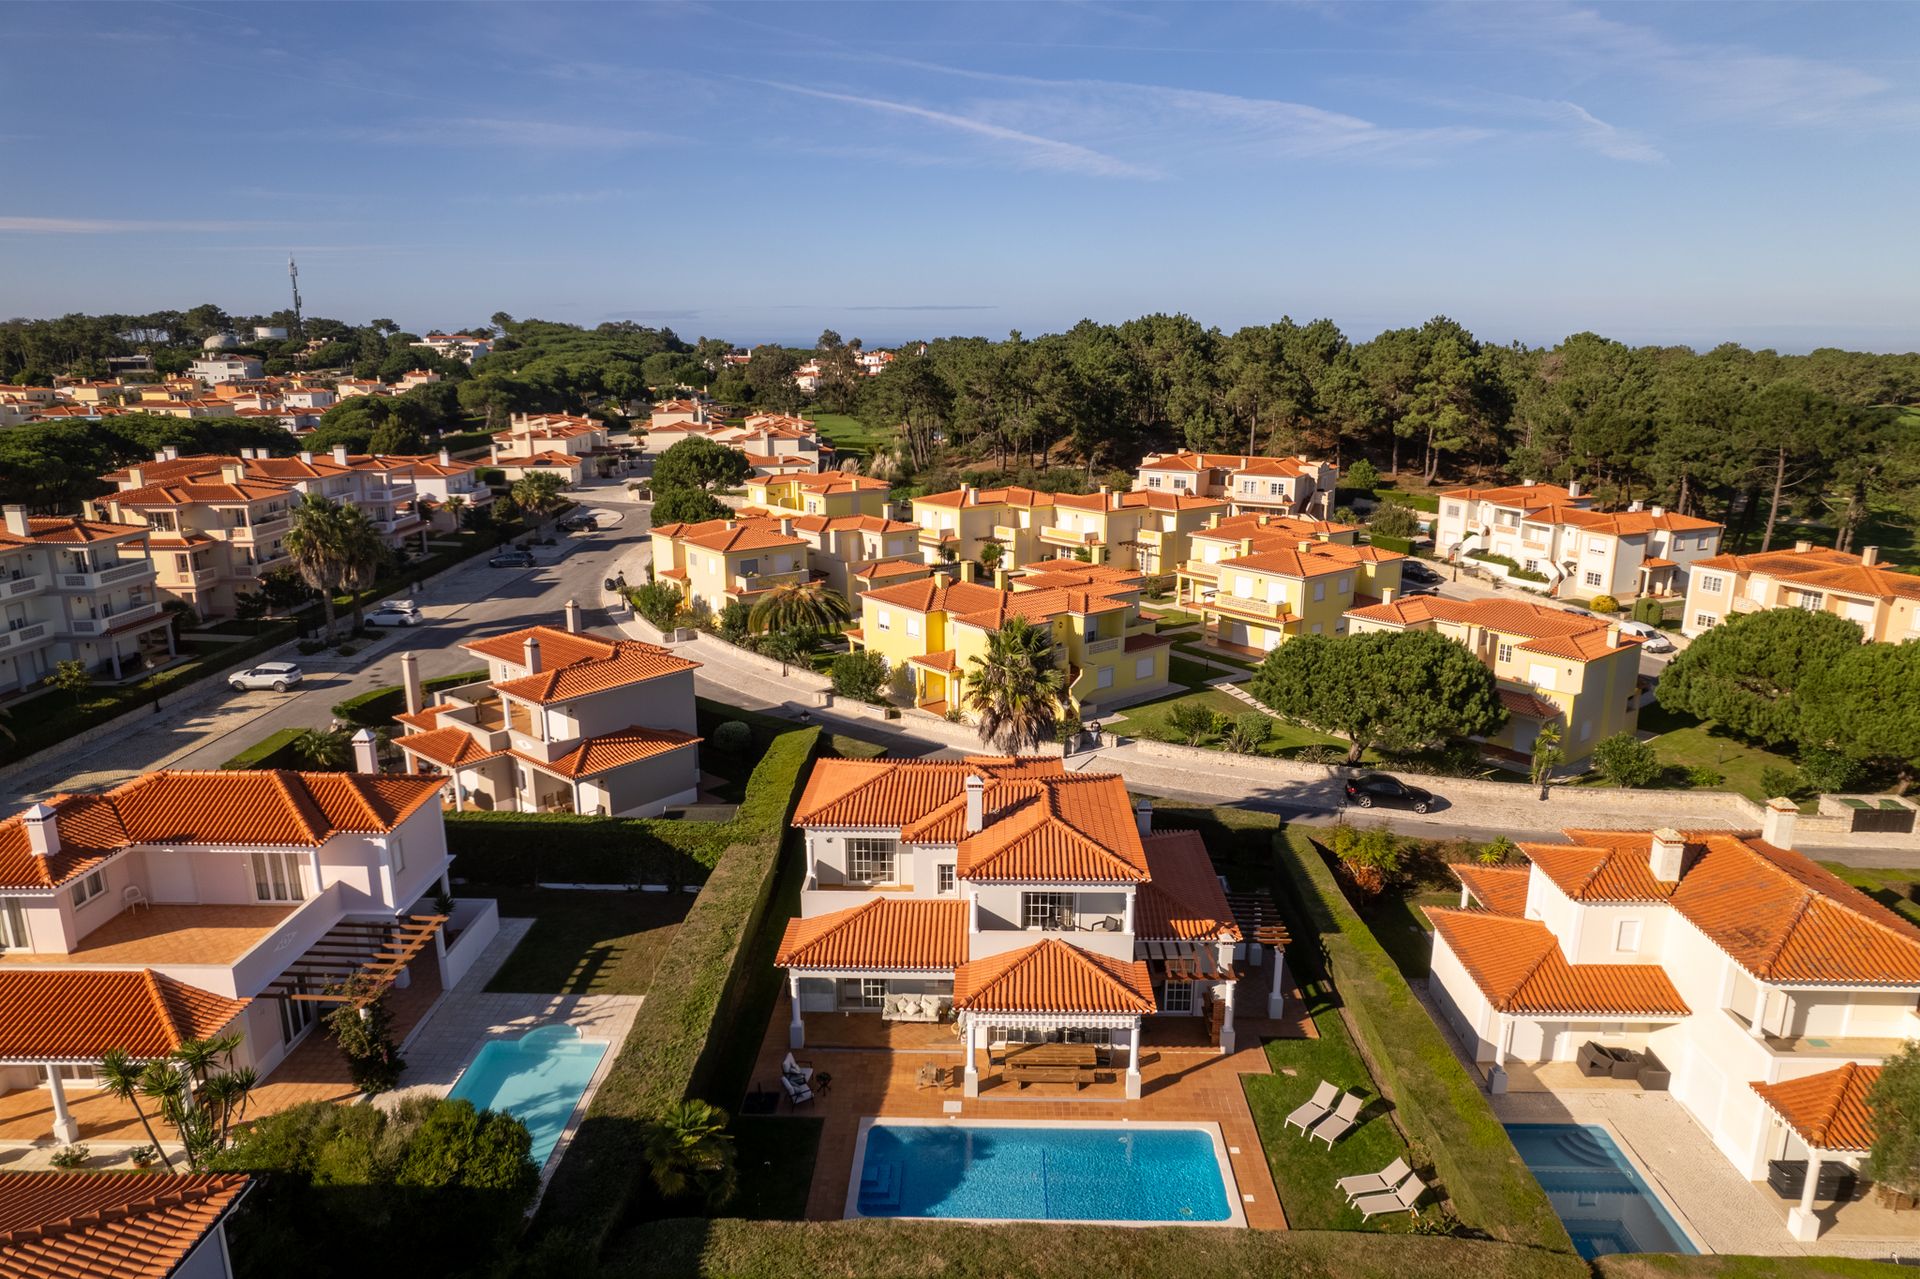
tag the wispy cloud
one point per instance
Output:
(118, 226)
(1563, 120)
(550, 198)
(1027, 150)
(493, 131)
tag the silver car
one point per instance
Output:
(395, 613)
(278, 676)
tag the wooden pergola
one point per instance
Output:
(1188, 961)
(375, 954)
(1258, 919)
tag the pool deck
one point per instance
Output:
(876, 1072)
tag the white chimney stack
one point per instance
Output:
(1659, 511)
(1777, 829)
(446, 458)
(1143, 817)
(1869, 556)
(366, 752)
(573, 617)
(786, 526)
(1613, 635)
(1573, 490)
(306, 457)
(16, 517)
(340, 454)
(530, 652)
(410, 681)
(1801, 548)
(43, 830)
(976, 804)
(1669, 855)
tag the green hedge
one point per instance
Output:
(1418, 501)
(1040, 1250)
(674, 1042)
(1438, 1104)
(1385, 543)
(1509, 563)
(275, 750)
(376, 707)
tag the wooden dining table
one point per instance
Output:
(1055, 1055)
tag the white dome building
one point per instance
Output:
(220, 342)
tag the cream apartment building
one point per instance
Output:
(1885, 604)
(76, 590)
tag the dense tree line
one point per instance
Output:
(51, 467)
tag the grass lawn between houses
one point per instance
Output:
(1152, 720)
(1684, 742)
(584, 943)
(849, 434)
(1895, 889)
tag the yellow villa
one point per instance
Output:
(718, 562)
(1138, 529)
(1573, 670)
(959, 523)
(1253, 599)
(929, 631)
(828, 493)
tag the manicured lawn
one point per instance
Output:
(1684, 742)
(585, 943)
(1895, 889)
(1648, 1265)
(848, 434)
(1304, 1171)
(1402, 928)
(1150, 720)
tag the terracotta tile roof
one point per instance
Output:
(427, 718)
(83, 1225)
(1012, 495)
(1518, 966)
(1053, 977)
(1074, 828)
(1066, 579)
(886, 932)
(1828, 1111)
(1038, 606)
(842, 523)
(631, 662)
(731, 534)
(447, 747)
(1601, 866)
(892, 568)
(1552, 632)
(1255, 523)
(1140, 643)
(557, 647)
(896, 793)
(1412, 610)
(613, 750)
(188, 493)
(1620, 523)
(68, 529)
(1137, 499)
(1519, 702)
(944, 660)
(834, 482)
(269, 807)
(935, 594)
(1824, 569)
(1499, 889)
(78, 1015)
(1183, 901)
(1529, 496)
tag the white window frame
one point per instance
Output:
(1105, 678)
(868, 855)
(882, 619)
(1626, 936)
(1593, 578)
(276, 877)
(91, 885)
(1183, 1004)
(1505, 652)
(14, 934)
(1319, 589)
(397, 853)
(913, 624)
(1143, 668)
(945, 878)
(1706, 621)
(1712, 583)
(1043, 907)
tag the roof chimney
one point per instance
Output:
(968, 495)
(732, 525)
(1386, 594)
(340, 454)
(1633, 506)
(1613, 635)
(1143, 817)
(1573, 490)
(1526, 483)
(1778, 827)
(16, 517)
(573, 617)
(1869, 556)
(1802, 548)
(530, 654)
(1668, 856)
(967, 568)
(134, 478)
(446, 458)
(410, 681)
(366, 752)
(306, 457)
(976, 804)
(786, 526)
(43, 830)
(1001, 582)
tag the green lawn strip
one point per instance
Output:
(775, 1155)
(697, 992)
(1644, 1265)
(376, 707)
(849, 434)
(1305, 1171)
(1439, 1106)
(1402, 929)
(271, 751)
(1151, 720)
(584, 943)
(1038, 1250)
(1686, 742)
(1894, 889)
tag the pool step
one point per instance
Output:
(1584, 1148)
(880, 1186)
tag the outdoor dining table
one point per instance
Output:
(1055, 1055)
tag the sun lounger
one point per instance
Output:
(1312, 1111)
(1374, 1183)
(1403, 1198)
(1343, 1118)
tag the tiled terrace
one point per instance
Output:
(876, 1068)
(170, 935)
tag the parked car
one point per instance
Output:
(1370, 789)
(1415, 571)
(395, 613)
(580, 521)
(1652, 638)
(518, 557)
(278, 676)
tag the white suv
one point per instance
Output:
(278, 676)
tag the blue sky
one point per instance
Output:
(1693, 173)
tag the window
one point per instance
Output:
(870, 861)
(1540, 676)
(1046, 910)
(1275, 488)
(863, 992)
(1153, 481)
(913, 624)
(1344, 585)
(1626, 935)
(276, 877)
(296, 1014)
(1453, 510)
(1711, 583)
(13, 925)
(89, 888)
(1596, 546)
(1143, 668)
(943, 881)
(1105, 678)
(883, 619)
(180, 565)
(1176, 997)
(750, 568)
(1505, 652)
(1704, 621)
(1319, 590)
(1592, 578)
(1808, 600)
(79, 1076)
(397, 850)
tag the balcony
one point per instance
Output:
(1833, 1046)
(193, 578)
(1249, 607)
(23, 586)
(1097, 647)
(23, 637)
(742, 584)
(113, 621)
(937, 536)
(126, 571)
(259, 531)
(1067, 537)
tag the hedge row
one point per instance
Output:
(376, 707)
(1385, 543)
(671, 1048)
(1418, 501)
(1040, 1250)
(1437, 1103)
(275, 750)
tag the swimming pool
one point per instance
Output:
(1013, 1171)
(537, 1078)
(1597, 1191)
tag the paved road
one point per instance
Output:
(470, 602)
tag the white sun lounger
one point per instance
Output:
(1403, 1198)
(1374, 1183)
(1311, 1112)
(1335, 1126)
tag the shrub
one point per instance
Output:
(1704, 778)
(1362, 475)
(732, 738)
(1403, 546)
(1649, 610)
(69, 1157)
(1782, 781)
(1829, 771)
(1604, 604)
(1625, 760)
(1391, 520)
(1191, 721)
(861, 675)
(1249, 733)
(658, 602)
(731, 621)
(365, 1036)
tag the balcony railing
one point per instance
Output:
(109, 575)
(101, 625)
(767, 581)
(1067, 537)
(1241, 604)
(935, 536)
(21, 587)
(1098, 647)
(23, 636)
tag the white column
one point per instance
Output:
(1126, 925)
(65, 1130)
(1277, 993)
(1759, 1013)
(1502, 1040)
(1466, 898)
(970, 1077)
(796, 1029)
(1801, 1223)
(1133, 1062)
(1226, 1024)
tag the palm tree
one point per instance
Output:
(456, 507)
(688, 1151)
(1546, 756)
(319, 544)
(120, 1077)
(1016, 688)
(538, 493)
(366, 553)
(798, 606)
(320, 749)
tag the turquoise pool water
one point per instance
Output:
(1080, 1173)
(537, 1078)
(1597, 1191)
